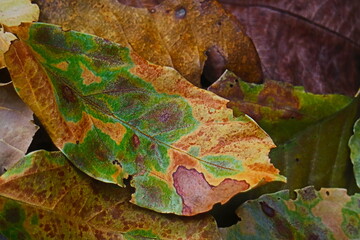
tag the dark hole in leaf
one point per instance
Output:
(231, 85)
(4, 76)
(327, 193)
(77, 141)
(224, 215)
(297, 160)
(214, 66)
(41, 139)
(5, 169)
(180, 13)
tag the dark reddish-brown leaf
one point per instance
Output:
(309, 43)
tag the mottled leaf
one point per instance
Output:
(179, 34)
(114, 114)
(309, 43)
(45, 197)
(354, 144)
(16, 127)
(281, 109)
(326, 214)
(311, 131)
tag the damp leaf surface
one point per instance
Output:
(354, 144)
(326, 214)
(308, 43)
(45, 197)
(16, 127)
(179, 34)
(113, 114)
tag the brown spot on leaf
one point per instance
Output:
(280, 96)
(198, 194)
(307, 194)
(269, 211)
(68, 94)
(135, 141)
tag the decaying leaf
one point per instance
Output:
(179, 34)
(281, 109)
(114, 114)
(307, 43)
(16, 127)
(326, 214)
(312, 131)
(14, 12)
(354, 144)
(45, 197)
(5, 41)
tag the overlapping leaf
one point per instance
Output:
(45, 197)
(282, 110)
(354, 144)
(180, 34)
(325, 214)
(16, 127)
(114, 115)
(312, 131)
(307, 43)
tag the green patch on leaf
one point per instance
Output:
(354, 144)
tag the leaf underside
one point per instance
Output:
(113, 114)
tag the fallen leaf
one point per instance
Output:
(5, 41)
(281, 109)
(354, 144)
(311, 132)
(307, 43)
(114, 114)
(14, 12)
(16, 127)
(179, 34)
(326, 214)
(46, 197)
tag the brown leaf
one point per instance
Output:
(308, 43)
(180, 34)
(46, 197)
(16, 127)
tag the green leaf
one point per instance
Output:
(281, 109)
(312, 132)
(45, 197)
(326, 214)
(113, 114)
(354, 144)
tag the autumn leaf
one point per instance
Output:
(312, 131)
(326, 214)
(114, 114)
(179, 34)
(354, 144)
(16, 127)
(45, 197)
(12, 13)
(307, 43)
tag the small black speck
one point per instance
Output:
(231, 85)
(297, 160)
(327, 193)
(77, 141)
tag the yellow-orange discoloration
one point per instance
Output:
(118, 173)
(62, 65)
(88, 76)
(23, 64)
(115, 131)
